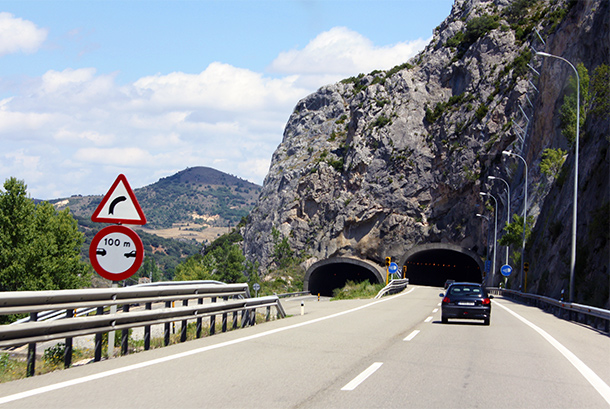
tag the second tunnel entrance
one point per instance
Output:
(433, 264)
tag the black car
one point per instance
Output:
(466, 301)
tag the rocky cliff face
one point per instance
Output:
(376, 164)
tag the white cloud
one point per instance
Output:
(64, 135)
(73, 130)
(344, 52)
(66, 80)
(121, 156)
(219, 87)
(18, 35)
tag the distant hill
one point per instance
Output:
(198, 197)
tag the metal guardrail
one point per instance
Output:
(598, 318)
(297, 294)
(235, 299)
(393, 286)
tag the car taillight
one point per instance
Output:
(446, 300)
(486, 301)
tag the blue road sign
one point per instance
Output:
(392, 268)
(506, 270)
(487, 266)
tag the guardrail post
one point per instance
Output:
(68, 349)
(235, 319)
(185, 303)
(213, 320)
(268, 316)
(224, 317)
(199, 320)
(168, 304)
(147, 330)
(97, 355)
(244, 318)
(125, 335)
(253, 317)
(31, 368)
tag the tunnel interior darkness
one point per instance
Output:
(434, 267)
(324, 279)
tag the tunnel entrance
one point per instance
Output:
(326, 275)
(433, 264)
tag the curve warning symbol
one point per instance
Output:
(119, 205)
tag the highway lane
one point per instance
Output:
(307, 361)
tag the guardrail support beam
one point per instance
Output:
(31, 369)
(68, 349)
(199, 320)
(183, 328)
(98, 340)
(125, 335)
(213, 321)
(224, 317)
(168, 304)
(147, 330)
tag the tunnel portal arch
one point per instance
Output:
(328, 274)
(434, 263)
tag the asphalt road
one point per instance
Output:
(389, 353)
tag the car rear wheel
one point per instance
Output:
(486, 321)
(444, 319)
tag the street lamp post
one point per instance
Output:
(575, 204)
(493, 263)
(507, 207)
(487, 242)
(508, 153)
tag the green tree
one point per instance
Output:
(150, 269)
(192, 269)
(228, 262)
(600, 91)
(567, 113)
(282, 253)
(39, 246)
(513, 232)
(552, 161)
(223, 260)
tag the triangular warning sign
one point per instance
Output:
(119, 205)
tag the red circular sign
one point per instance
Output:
(116, 252)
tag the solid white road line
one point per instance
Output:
(65, 384)
(595, 381)
(411, 335)
(360, 378)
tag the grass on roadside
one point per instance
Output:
(353, 290)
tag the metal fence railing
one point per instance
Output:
(104, 317)
(597, 318)
(393, 286)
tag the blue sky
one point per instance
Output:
(91, 89)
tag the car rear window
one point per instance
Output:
(465, 290)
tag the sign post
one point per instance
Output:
(116, 252)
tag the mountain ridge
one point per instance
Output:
(196, 197)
